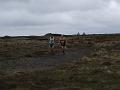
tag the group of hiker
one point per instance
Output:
(62, 43)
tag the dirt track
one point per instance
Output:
(44, 62)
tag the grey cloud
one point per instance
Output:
(59, 16)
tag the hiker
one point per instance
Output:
(62, 41)
(51, 43)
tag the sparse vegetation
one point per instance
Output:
(98, 71)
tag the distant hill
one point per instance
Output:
(50, 34)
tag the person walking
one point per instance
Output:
(51, 43)
(63, 41)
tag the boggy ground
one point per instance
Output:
(16, 55)
(43, 62)
(84, 67)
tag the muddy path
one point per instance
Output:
(43, 62)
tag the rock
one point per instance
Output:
(107, 63)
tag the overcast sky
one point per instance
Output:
(36, 17)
